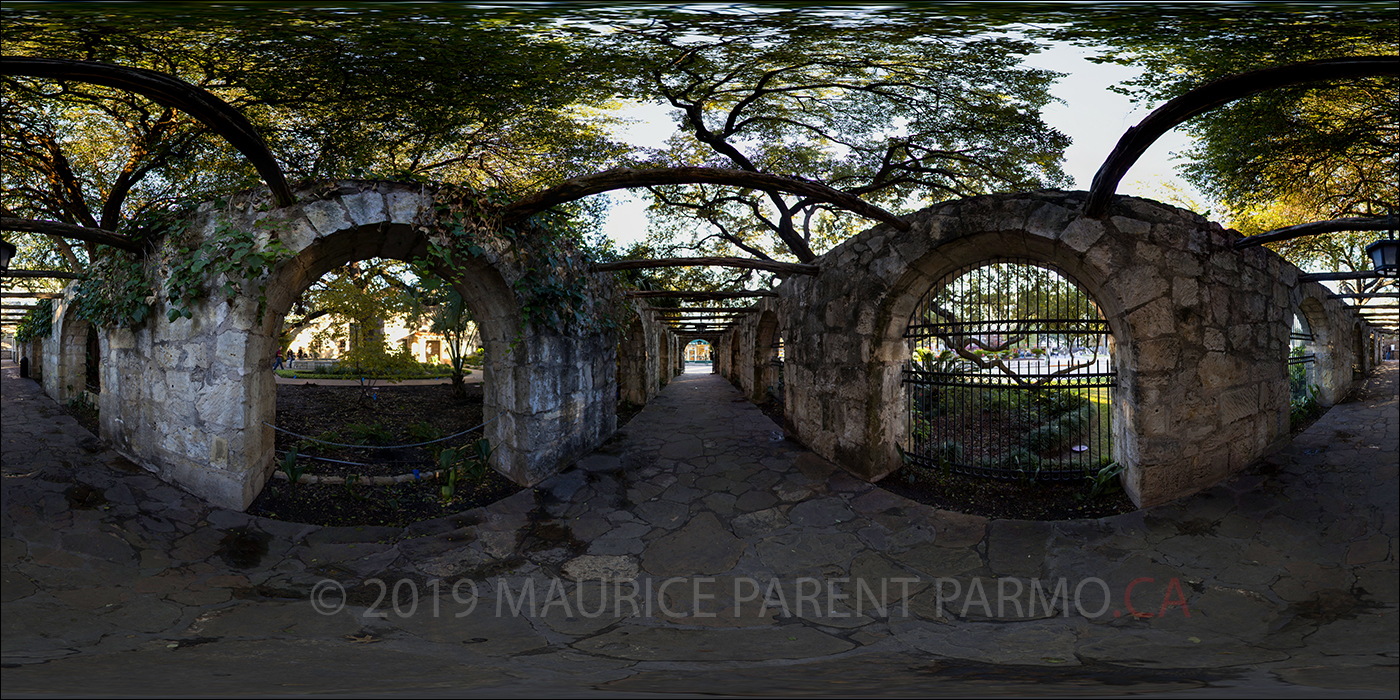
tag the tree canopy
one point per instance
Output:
(397, 94)
(899, 110)
(900, 105)
(1306, 153)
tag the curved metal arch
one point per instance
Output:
(1135, 141)
(198, 103)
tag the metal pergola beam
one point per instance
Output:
(44, 274)
(1313, 229)
(1214, 94)
(32, 295)
(201, 104)
(66, 230)
(698, 296)
(743, 263)
(1369, 295)
(1334, 276)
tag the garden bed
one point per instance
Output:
(991, 498)
(400, 415)
(393, 415)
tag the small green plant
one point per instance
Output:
(423, 431)
(369, 433)
(351, 482)
(1305, 407)
(81, 404)
(463, 464)
(948, 453)
(1023, 462)
(1055, 435)
(290, 467)
(1104, 481)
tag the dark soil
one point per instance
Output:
(988, 497)
(85, 414)
(991, 498)
(626, 411)
(312, 410)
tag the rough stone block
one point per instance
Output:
(1159, 355)
(1082, 233)
(365, 208)
(1184, 291)
(1217, 371)
(1131, 227)
(403, 207)
(221, 404)
(1239, 403)
(1048, 220)
(1153, 320)
(1140, 285)
(326, 216)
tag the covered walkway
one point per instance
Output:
(1282, 580)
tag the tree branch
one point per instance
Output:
(621, 178)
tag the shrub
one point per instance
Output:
(1056, 434)
(1054, 403)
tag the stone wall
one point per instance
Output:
(1200, 336)
(190, 398)
(64, 354)
(1199, 332)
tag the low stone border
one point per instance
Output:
(364, 481)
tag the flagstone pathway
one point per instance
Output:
(701, 552)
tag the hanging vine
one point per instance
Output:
(551, 287)
(231, 253)
(116, 293)
(36, 323)
(121, 288)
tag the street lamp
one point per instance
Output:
(1383, 253)
(7, 251)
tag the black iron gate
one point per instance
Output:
(1010, 376)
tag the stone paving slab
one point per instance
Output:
(700, 555)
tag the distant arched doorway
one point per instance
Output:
(767, 341)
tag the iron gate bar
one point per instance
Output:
(974, 410)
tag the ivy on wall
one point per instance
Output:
(551, 287)
(36, 323)
(121, 288)
(232, 254)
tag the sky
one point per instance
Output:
(1091, 115)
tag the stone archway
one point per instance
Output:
(665, 368)
(196, 393)
(974, 250)
(67, 353)
(1202, 384)
(1331, 370)
(765, 349)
